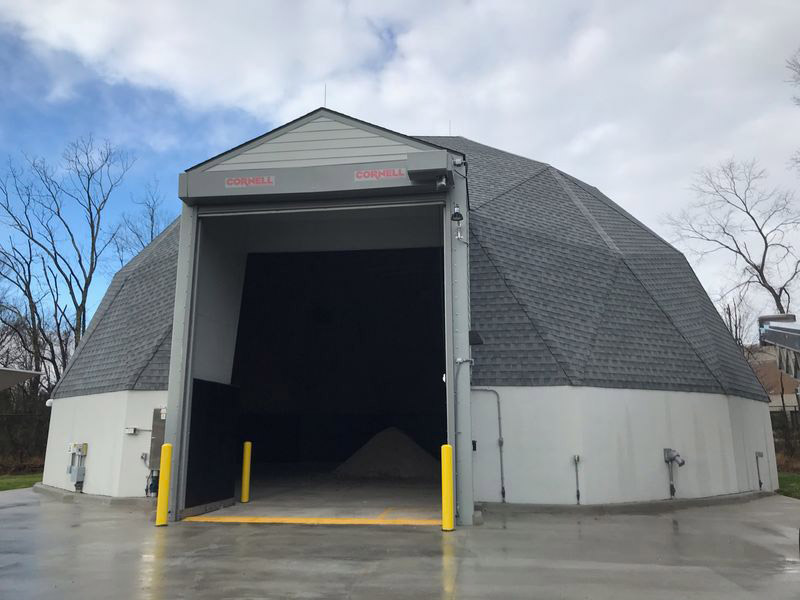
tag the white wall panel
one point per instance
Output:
(486, 458)
(620, 435)
(138, 413)
(113, 463)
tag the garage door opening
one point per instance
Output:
(320, 337)
(339, 367)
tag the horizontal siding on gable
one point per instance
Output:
(362, 142)
(310, 136)
(319, 143)
(316, 162)
(325, 126)
(312, 153)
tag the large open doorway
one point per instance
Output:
(323, 334)
(339, 364)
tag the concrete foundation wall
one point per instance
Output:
(620, 436)
(113, 464)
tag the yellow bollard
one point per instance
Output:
(162, 506)
(248, 450)
(448, 506)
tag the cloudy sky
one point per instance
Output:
(632, 97)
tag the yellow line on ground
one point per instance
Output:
(314, 520)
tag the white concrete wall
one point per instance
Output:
(113, 465)
(139, 414)
(620, 436)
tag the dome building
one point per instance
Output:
(332, 279)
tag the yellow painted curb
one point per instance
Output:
(315, 521)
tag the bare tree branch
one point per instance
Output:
(739, 319)
(138, 229)
(738, 214)
(56, 216)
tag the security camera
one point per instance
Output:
(672, 456)
(48, 403)
(441, 183)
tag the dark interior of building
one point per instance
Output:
(335, 347)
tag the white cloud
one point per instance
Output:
(633, 97)
(587, 141)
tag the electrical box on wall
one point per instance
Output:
(79, 448)
(157, 438)
(77, 469)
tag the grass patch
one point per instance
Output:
(15, 482)
(789, 484)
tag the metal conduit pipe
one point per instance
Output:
(499, 438)
(758, 470)
(459, 361)
(576, 459)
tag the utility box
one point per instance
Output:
(156, 439)
(77, 468)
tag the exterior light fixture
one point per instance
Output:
(457, 218)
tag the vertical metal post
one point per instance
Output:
(164, 473)
(448, 500)
(458, 238)
(248, 449)
(176, 428)
(448, 325)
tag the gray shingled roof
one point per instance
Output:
(566, 287)
(127, 343)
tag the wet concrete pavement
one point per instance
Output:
(323, 495)
(87, 550)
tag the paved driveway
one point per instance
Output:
(52, 549)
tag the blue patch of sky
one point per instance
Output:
(50, 99)
(387, 39)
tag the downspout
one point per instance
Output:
(499, 439)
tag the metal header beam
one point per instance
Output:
(353, 180)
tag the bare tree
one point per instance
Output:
(737, 214)
(739, 319)
(58, 217)
(57, 234)
(140, 228)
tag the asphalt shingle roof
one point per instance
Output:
(566, 288)
(608, 302)
(127, 343)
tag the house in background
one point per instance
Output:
(774, 363)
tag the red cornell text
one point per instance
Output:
(245, 182)
(378, 174)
